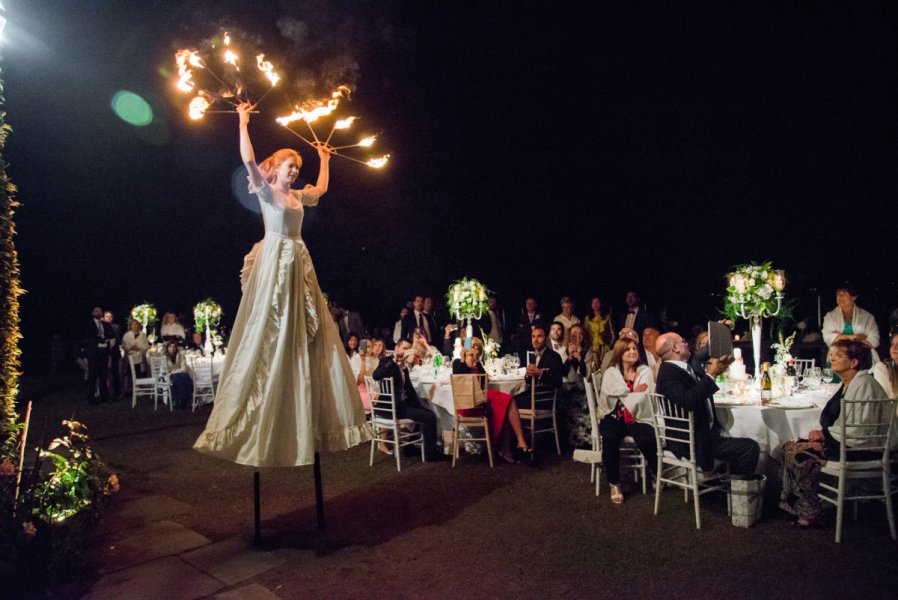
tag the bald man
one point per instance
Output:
(693, 390)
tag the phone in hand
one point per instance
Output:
(363, 346)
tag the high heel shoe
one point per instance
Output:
(617, 496)
(385, 450)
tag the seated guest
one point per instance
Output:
(580, 363)
(351, 345)
(363, 365)
(503, 415)
(135, 343)
(625, 409)
(598, 325)
(420, 349)
(450, 334)
(886, 372)
(567, 317)
(181, 382)
(802, 460)
(171, 330)
(625, 334)
(557, 339)
(408, 406)
(197, 343)
(547, 366)
(575, 365)
(649, 337)
(693, 391)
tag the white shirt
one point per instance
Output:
(631, 318)
(560, 348)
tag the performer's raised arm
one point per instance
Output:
(246, 147)
(324, 154)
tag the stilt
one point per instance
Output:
(319, 493)
(257, 538)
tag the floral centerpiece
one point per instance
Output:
(144, 314)
(755, 291)
(490, 347)
(466, 299)
(206, 316)
(781, 349)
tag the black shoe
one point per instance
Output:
(436, 457)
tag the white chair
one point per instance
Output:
(594, 456)
(469, 394)
(383, 418)
(682, 472)
(540, 415)
(803, 364)
(140, 386)
(161, 383)
(867, 427)
(203, 384)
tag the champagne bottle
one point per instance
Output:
(766, 385)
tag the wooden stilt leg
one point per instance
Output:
(319, 493)
(257, 538)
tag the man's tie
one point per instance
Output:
(691, 372)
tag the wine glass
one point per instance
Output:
(814, 377)
(827, 375)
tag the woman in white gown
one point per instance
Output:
(286, 390)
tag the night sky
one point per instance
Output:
(549, 148)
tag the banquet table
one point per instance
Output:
(784, 419)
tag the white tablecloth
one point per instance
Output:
(770, 426)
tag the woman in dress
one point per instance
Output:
(624, 409)
(848, 321)
(886, 372)
(180, 380)
(286, 389)
(505, 421)
(803, 459)
(598, 325)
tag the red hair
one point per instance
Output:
(270, 165)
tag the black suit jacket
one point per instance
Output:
(551, 360)
(643, 319)
(405, 391)
(410, 321)
(93, 339)
(678, 386)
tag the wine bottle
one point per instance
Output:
(766, 385)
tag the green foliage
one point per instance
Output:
(466, 298)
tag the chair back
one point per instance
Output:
(867, 426)
(593, 419)
(158, 367)
(383, 399)
(671, 422)
(541, 397)
(469, 390)
(201, 367)
(803, 364)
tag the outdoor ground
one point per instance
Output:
(182, 528)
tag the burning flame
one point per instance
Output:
(268, 69)
(227, 39)
(378, 163)
(368, 141)
(230, 58)
(344, 123)
(342, 91)
(197, 108)
(183, 58)
(309, 112)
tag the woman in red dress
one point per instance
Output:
(505, 421)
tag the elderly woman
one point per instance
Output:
(624, 409)
(135, 344)
(505, 420)
(886, 372)
(850, 322)
(567, 316)
(803, 459)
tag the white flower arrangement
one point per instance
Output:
(756, 287)
(144, 314)
(490, 346)
(781, 349)
(466, 299)
(206, 314)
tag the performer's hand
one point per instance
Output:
(324, 151)
(243, 109)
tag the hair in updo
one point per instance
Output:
(270, 165)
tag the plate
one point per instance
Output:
(792, 405)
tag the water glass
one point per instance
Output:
(813, 377)
(827, 375)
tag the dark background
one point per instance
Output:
(546, 148)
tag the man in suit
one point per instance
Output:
(408, 406)
(547, 364)
(430, 314)
(635, 317)
(693, 390)
(526, 322)
(417, 318)
(348, 321)
(492, 324)
(114, 340)
(96, 349)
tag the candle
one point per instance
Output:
(739, 282)
(779, 280)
